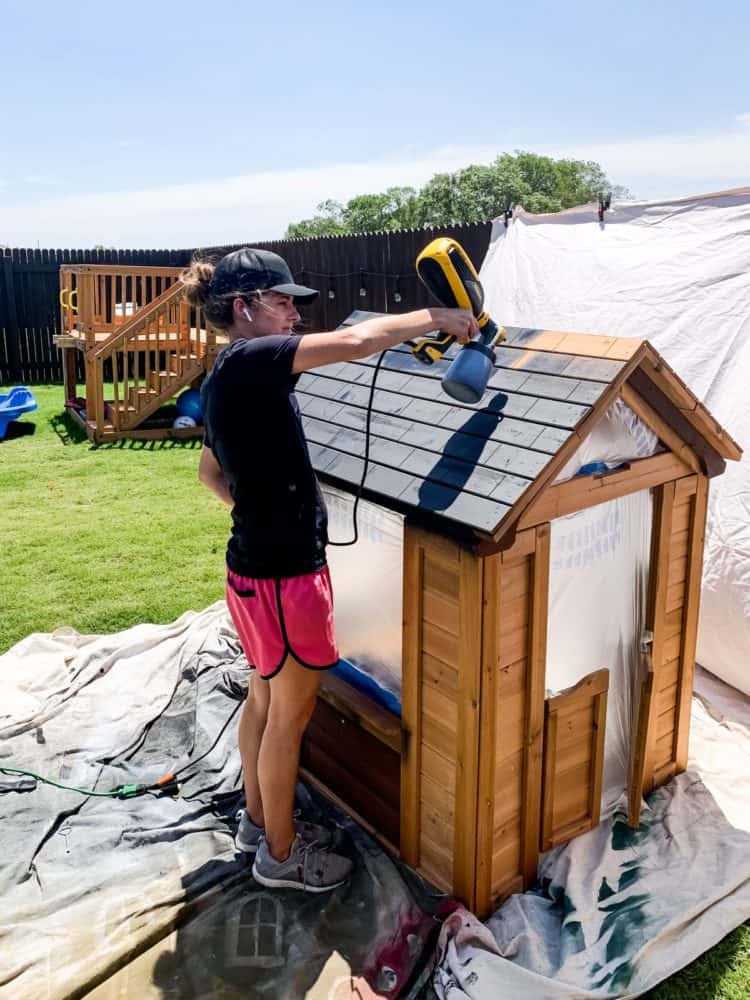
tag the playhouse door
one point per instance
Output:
(598, 589)
(574, 726)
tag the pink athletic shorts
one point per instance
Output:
(276, 617)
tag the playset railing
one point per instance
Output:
(98, 299)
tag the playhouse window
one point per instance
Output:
(367, 585)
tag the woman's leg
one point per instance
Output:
(293, 693)
(252, 726)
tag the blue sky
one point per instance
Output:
(164, 124)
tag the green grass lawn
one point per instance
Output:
(721, 974)
(108, 537)
(102, 538)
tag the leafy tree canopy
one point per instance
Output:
(474, 194)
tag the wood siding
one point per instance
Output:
(676, 665)
(429, 704)
(511, 700)
(356, 766)
(440, 713)
(679, 533)
(511, 731)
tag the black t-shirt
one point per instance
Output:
(253, 427)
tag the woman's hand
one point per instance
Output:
(381, 334)
(458, 323)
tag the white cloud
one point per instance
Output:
(258, 206)
(226, 210)
(669, 166)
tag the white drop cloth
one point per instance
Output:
(678, 274)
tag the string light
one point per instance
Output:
(353, 274)
(304, 276)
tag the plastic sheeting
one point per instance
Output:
(368, 588)
(677, 273)
(599, 566)
(620, 436)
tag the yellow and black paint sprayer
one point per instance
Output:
(444, 267)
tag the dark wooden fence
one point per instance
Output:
(374, 272)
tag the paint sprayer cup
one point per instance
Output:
(469, 372)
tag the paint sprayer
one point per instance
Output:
(445, 269)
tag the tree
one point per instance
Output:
(328, 223)
(395, 209)
(473, 194)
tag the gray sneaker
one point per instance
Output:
(308, 867)
(248, 834)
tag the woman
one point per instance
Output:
(255, 458)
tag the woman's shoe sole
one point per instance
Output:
(283, 883)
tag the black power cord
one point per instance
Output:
(368, 418)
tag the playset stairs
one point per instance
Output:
(157, 351)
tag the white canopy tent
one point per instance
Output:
(678, 274)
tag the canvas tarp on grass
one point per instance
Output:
(145, 897)
(86, 884)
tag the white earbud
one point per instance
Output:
(246, 313)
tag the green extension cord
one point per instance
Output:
(121, 792)
(166, 785)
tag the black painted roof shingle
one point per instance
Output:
(430, 454)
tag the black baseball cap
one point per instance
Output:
(250, 270)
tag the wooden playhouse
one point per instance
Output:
(139, 341)
(482, 772)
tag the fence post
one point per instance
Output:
(14, 332)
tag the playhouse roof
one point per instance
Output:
(476, 468)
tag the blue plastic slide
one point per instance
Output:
(13, 404)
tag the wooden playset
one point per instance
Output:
(140, 343)
(482, 772)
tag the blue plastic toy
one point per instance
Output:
(13, 404)
(590, 467)
(189, 405)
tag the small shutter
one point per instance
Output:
(573, 759)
